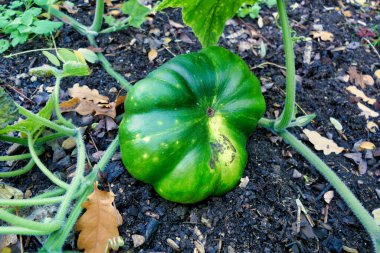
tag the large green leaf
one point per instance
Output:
(206, 18)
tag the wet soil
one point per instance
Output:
(262, 216)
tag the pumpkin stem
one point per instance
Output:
(210, 112)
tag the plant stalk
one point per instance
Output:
(108, 67)
(352, 202)
(98, 19)
(287, 114)
(18, 172)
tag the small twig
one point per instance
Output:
(20, 93)
(373, 47)
(261, 65)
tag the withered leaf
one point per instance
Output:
(323, 35)
(360, 94)
(84, 92)
(322, 143)
(85, 107)
(99, 223)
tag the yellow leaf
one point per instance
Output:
(85, 92)
(321, 143)
(69, 143)
(366, 145)
(80, 56)
(98, 225)
(367, 112)
(323, 35)
(360, 94)
(152, 55)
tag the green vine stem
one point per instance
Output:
(98, 19)
(11, 230)
(46, 122)
(108, 67)
(58, 238)
(30, 202)
(58, 113)
(7, 158)
(24, 141)
(90, 34)
(18, 172)
(42, 167)
(287, 114)
(84, 30)
(75, 183)
(353, 203)
(25, 223)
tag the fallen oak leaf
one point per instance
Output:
(85, 107)
(322, 143)
(99, 224)
(84, 92)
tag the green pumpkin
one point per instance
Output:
(186, 125)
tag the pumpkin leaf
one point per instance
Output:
(322, 143)
(98, 225)
(89, 55)
(4, 45)
(136, 11)
(75, 68)
(8, 110)
(206, 18)
(52, 58)
(28, 125)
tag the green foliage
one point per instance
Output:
(21, 21)
(136, 16)
(29, 125)
(206, 18)
(74, 63)
(186, 125)
(8, 110)
(136, 11)
(254, 10)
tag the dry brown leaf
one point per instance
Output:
(323, 35)
(367, 112)
(322, 143)
(152, 55)
(99, 223)
(360, 94)
(84, 92)
(85, 107)
(120, 100)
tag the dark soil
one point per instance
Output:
(260, 217)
